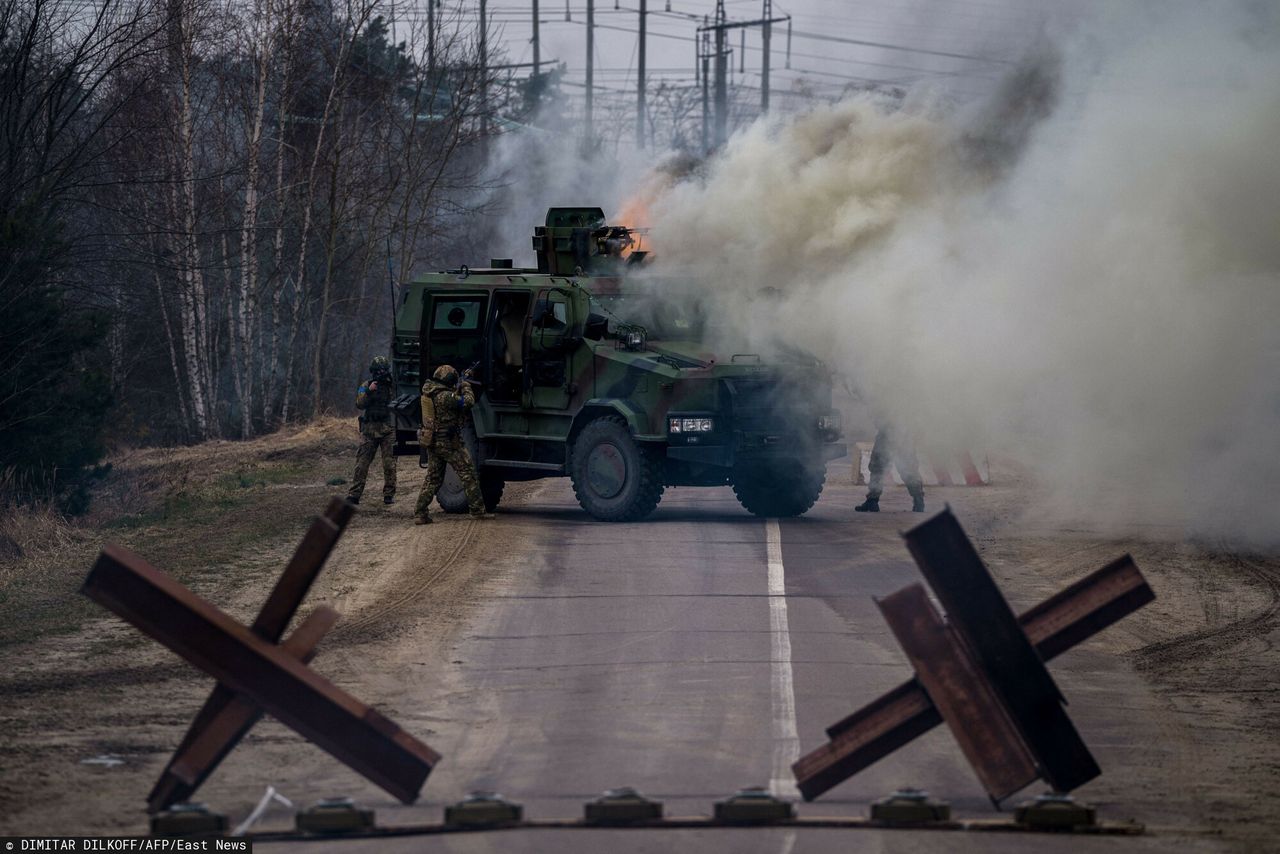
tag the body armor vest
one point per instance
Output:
(377, 403)
(443, 409)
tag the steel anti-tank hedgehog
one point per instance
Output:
(587, 370)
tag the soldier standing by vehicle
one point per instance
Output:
(893, 448)
(374, 399)
(444, 406)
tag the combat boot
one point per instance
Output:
(917, 504)
(484, 515)
(388, 499)
(422, 519)
(871, 505)
(355, 500)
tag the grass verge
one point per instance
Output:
(219, 507)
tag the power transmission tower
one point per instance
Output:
(720, 28)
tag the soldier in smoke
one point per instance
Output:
(373, 399)
(445, 401)
(893, 447)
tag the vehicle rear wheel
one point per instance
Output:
(614, 478)
(451, 495)
(778, 489)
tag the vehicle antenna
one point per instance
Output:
(391, 283)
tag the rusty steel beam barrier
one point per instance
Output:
(225, 719)
(901, 715)
(254, 673)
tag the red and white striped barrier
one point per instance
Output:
(960, 468)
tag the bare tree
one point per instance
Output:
(234, 175)
(57, 123)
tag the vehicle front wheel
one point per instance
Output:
(614, 478)
(779, 489)
(452, 497)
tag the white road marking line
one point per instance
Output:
(786, 741)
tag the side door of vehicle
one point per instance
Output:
(555, 331)
(453, 330)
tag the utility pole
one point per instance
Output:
(591, 52)
(765, 28)
(640, 111)
(484, 70)
(537, 56)
(706, 85)
(722, 83)
(431, 37)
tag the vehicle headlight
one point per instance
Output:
(690, 425)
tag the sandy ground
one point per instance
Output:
(89, 711)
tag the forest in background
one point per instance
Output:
(203, 206)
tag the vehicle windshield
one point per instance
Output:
(663, 318)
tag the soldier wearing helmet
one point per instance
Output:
(445, 401)
(377, 431)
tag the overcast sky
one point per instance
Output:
(943, 41)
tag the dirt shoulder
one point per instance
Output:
(1205, 653)
(92, 709)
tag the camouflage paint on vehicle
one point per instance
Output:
(576, 362)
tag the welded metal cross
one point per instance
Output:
(257, 673)
(981, 671)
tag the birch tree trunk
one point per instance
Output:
(280, 280)
(174, 363)
(326, 288)
(199, 424)
(337, 82)
(194, 320)
(244, 318)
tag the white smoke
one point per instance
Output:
(1083, 271)
(533, 169)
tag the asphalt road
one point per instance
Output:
(701, 651)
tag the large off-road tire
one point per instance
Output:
(451, 495)
(779, 489)
(614, 477)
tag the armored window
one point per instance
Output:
(551, 312)
(559, 316)
(456, 315)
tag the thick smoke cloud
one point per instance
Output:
(1082, 271)
(537, 169)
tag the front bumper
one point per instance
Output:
(727, 455)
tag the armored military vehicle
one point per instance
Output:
(581, 371)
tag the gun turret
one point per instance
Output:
(577, 240)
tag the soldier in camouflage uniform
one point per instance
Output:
(444, 407)
(373, 398)
(893, 448)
